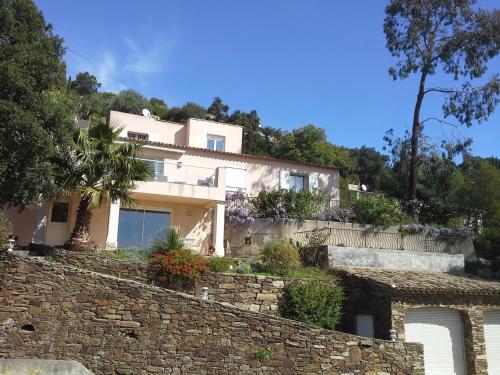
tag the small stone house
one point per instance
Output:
(455, 317)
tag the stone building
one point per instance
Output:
(456, 317)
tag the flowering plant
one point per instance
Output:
(237, 212)
(178, 266)
(342, 215)
(435, 232)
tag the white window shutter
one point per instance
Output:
(285, 180)
(313, 181)
(235, 178)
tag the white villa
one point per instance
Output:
(194, 165)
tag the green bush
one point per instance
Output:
(377, 210)
(5, 230)
(166, 241)
(262, 353)
(491, 271)
(222, 264)
(280, 257)
(487, 243)
(41, 249)
(314, 302)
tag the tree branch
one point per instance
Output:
(439, 120)
(444, 90)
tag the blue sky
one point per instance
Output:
(296, 62)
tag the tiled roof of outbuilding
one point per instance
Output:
(422, 282)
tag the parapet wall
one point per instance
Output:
(248, 241)
(119, 326)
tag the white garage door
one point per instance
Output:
(440, 331)
(492, 338)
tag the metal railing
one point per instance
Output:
(181, 173)
(376, 239)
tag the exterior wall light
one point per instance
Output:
(204, 293)
(392, 335)
(11, 245)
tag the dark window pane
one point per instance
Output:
(155, 223)
(130, 228)
(60, 212)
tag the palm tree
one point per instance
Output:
(101, 170)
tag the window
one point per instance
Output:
(156, 167)
(364, 325)
(297, 182)
(137, 136)
(215, 143)
(138, 228)
(59, 212)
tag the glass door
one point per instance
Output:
(138, 228)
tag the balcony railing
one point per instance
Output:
(378, 240)
(181, 173)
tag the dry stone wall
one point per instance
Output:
(248, 292)
(118, 326)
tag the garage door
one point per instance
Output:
(440, 331)
(492, 338)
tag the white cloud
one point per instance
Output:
(130, 64)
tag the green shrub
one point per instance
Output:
(487, 243)
(262, 353)
(280, 257)
(42, 250)
(491, 271)
(377, 210)
(222, 264)
(244, 268)
(314, 302)
(131, 254)
(5, 230)
(166, 241)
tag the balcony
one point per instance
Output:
(177, 179)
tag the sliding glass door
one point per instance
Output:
(137, 228)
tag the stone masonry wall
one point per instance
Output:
(471, 308)
(118, 326)
(248, 292)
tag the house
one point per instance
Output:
(456, 317)
(194, 165)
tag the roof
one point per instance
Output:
(225, 153)
(175, 122)
(422, 282)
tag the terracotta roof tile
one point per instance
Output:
(422, 282)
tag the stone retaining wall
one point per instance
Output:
(248, 292)
(118, 326)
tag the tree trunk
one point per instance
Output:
(415, 134)
(80, 237)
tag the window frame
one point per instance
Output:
(292, 176)
(57, 218)
(143, 137)
(216, 139)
